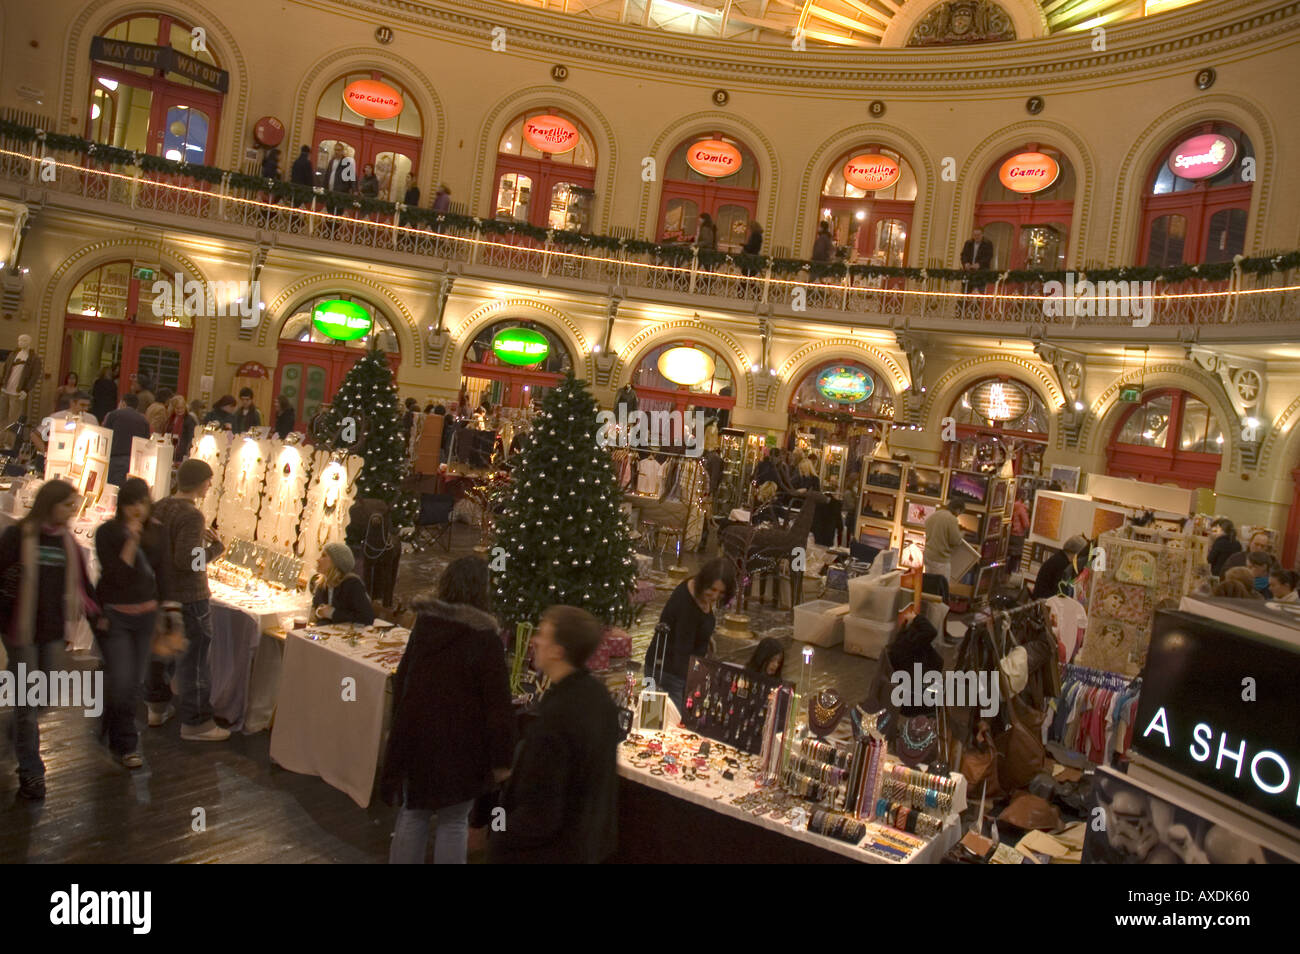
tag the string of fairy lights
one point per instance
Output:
(649, 267)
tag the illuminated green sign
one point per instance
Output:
(341, 320)
(520, 346)
(845, 385)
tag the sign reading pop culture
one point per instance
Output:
(714, 158)
(341, 320)
(1029, 172)
(871, 172)
(552, 134)
(373, 99)
(520, 346)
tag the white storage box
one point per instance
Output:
(867, 637)
(875, 597)
(820, 622)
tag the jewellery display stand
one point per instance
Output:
(212, 446)
(264, 563)
(241, 490)
(151, 461)
(282, 498)
(330, 495)
(727, 704)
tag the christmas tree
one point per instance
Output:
(565, 539)
(365, 419)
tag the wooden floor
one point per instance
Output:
(97, 812)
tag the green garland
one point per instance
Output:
(673, 253)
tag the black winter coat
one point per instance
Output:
(452, 720)
(561, 801)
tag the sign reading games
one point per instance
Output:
(1029, 172)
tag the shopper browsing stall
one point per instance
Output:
(686, 625)
(1261, 541)
(561, 801)
(44, 592)
(943, 538)
(339, 595)
(132, 549)
(1062, 567)
(453, 728)
(1282, 585)
(768, 658)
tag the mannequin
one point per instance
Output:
(22, 370)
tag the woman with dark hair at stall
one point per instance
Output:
(64, 393)
(768, 658)
(1282, 585)
(132, 550)
(1225, 544)
(686, 626)
(44, 593)
(453, 729)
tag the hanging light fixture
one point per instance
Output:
(686, 366)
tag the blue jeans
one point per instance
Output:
(193, 675)
(125, 648)
(675, 686)
(411, 835)
(26, 730)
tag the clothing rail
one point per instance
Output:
(1097, 677)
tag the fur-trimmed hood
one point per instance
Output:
(458, 614)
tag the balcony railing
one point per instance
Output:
(1250, 291)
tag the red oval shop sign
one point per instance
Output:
(871, 172)
(714, 158)
(1202, 156)
(373, 99)
(268, 131)
(553, 134)
(1029, 172)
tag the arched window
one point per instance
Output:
(551, 190)
(870, 224)
(1171, 436)
(135, 317)
(730, 198)
(153, 92)
(998, 418)
(1028, 221)
(1200, 215)
(512, 363)
(703, 379)
(836, 388)
(312, 364)
(388, 138)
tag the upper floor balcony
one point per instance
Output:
(1251, 298)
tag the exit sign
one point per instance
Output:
(145, 274)
(1130, 395)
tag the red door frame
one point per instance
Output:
(1161, 464)
(545, 173)
(682, 396)
(163, 93)
(1024, 211)
(1292, 536)
(709, 198)
(878, 210)
(367, 143)
(335, 359)
(514, 378)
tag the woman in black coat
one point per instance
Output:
(285, 417)
(452, 735)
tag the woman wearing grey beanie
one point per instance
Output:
(339, 595)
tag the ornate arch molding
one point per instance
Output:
(71, 270)
(1145, 150)
(995, 144)
(703, 122)
(512, 105)
(1106, 408)
(279, 311)
(1283, 438)
(887, 134)
(349, 59)
(1027, 15)
(76, 68)
(798, 364)
(962, 374)
(554, 319)
(656, 335)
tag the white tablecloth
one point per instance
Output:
(324, 726)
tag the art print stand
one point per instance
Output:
(330, 495)
(70, 442)
(242, 488)
(212, 446)
(151, 461)
(282, 498)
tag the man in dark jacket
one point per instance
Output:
(302, 173)
(561, 802)
(246, 415)
(976, 256)
(126, 422)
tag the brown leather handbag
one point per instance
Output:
(979, 762)
(1020, 747)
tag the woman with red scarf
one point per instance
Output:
(180, 424)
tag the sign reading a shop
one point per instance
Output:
(1218, 707)
(341, 320)
(714, 158)
(845, 385)
(999, 400)
(1202, 157)
(520, 346)
(373, 99)
(105, 50)
(871, 172)
(552, 134)
(1029, 172)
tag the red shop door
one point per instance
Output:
(396, 158)
(309, 375)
